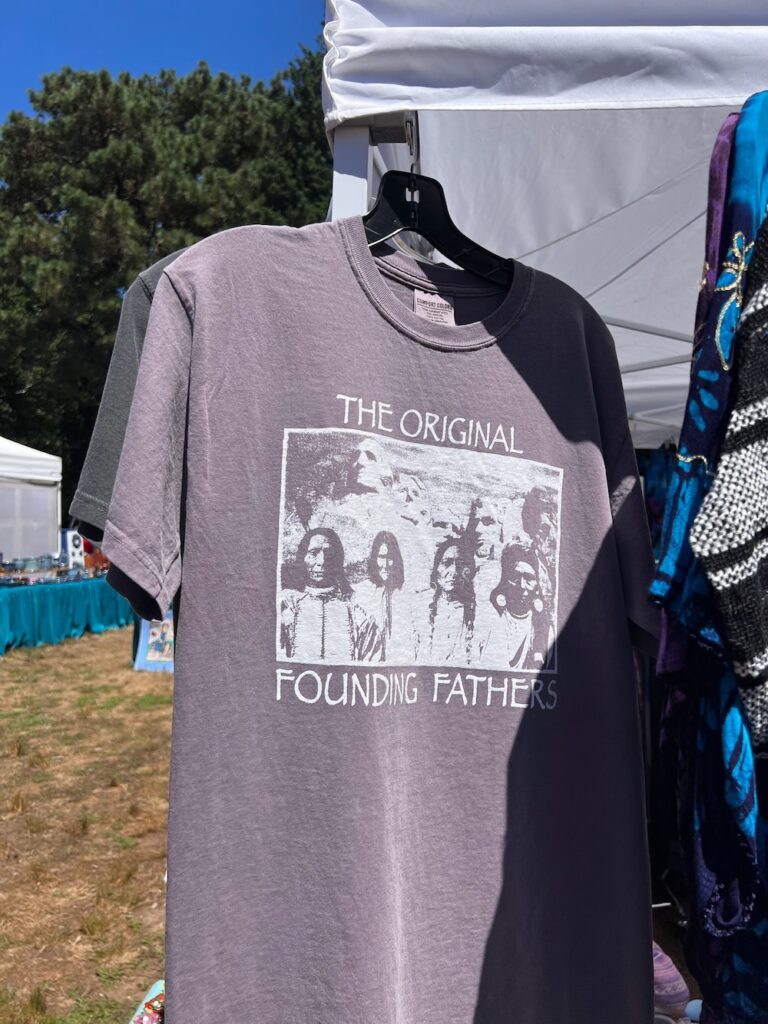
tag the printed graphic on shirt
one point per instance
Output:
(404, 554)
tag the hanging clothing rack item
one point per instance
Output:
(728, 534)
(90, 502)
(680, 583)
(714, 727)
(434, 583)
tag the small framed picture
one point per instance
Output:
(155, 650)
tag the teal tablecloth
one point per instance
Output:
(49, 613)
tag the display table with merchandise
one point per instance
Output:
(47, 613)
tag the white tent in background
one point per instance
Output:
(30, 501)
(578, 144)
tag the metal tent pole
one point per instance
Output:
(351, 170)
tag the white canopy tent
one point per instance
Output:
(30, 501)
(579, 147)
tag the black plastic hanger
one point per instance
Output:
(397, 209)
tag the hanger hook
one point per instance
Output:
(412, 139)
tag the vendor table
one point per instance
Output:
(49, 613)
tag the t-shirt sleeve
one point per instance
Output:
(97, 477)
(142, 534)
(631, 533)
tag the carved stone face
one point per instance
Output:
(369, 468)
(488, 527)
(414, 502)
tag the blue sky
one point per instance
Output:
(257, 37)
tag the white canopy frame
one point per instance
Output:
(597, 137)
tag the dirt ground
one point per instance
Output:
(84, 746)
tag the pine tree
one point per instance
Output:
(104, 177)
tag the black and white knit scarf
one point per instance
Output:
(730, 533)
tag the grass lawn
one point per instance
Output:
(84, 749)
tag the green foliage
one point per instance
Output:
(108, 175)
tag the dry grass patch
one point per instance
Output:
(84, 745)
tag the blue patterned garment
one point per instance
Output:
(721, 828)
(724, 838)
(680, 584)
(736, 913)
(657, 471)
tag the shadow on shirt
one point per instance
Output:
(571, 935)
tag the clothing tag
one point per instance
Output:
(434, 307)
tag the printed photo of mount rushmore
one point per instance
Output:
(404, 554)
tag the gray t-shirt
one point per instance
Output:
(97, 477)
(406, 773)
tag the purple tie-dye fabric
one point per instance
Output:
(715, 247)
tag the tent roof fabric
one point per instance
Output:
(21, 463)
(384, 58)
(582, 150)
